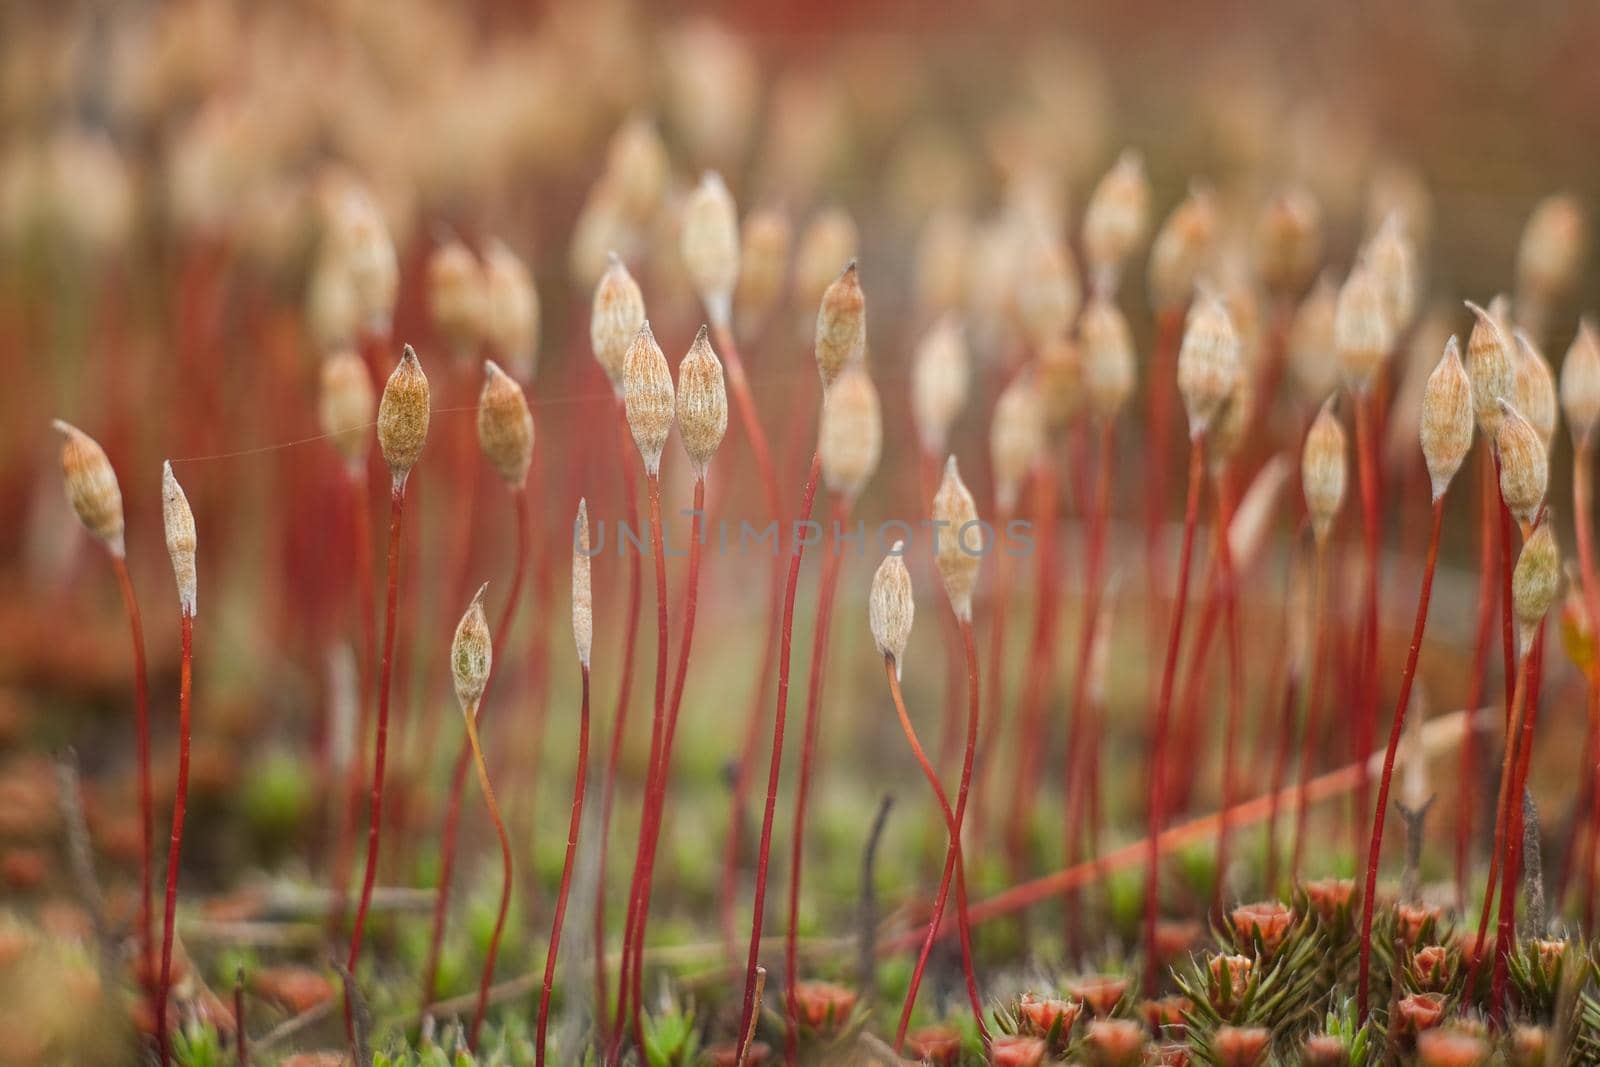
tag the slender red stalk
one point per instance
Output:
(630, 484)
(1511, 861)
(1367, 472)
(750, 420)
(1186, 725)
(180, 804)
(241, 1039)
(1513, 734)
(953, 851)
(566, 873)
(1313, 717)
(657, 803)
(786, 640)
(1229, 594)
(631, 929)
(505, 881)
(1161, 390)
(1583, 519)
(1094, 588)
(458, 774)
(367, 624)
(1375, 851)
(954, 831)
(141, 726)
(1158, 741)
(827, 586)
(1000, 599)
(1031, 704)
(1488, 588)
(1328, 786)
(397, 501)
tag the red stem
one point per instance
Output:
(180, 804)
(1095, 587)
(953, 851)
(1583, 518)
(827, 586)
(505, 882)
(458, 773)
(361, 542)
(1020, 897)
(954, 831)
(397, 500)
(750, 420)
(775, 766)
(1367, 467)
(1511, 861)
(1308, 734)
(1514, 713)
(1161, 391)
(630, 482)
(141, 726)
(1158, 760)
(1031, 705)
(1375, 851)
(632, 931)
(1229, 595)
(1466, 775)
(657, 805)
(566, 873)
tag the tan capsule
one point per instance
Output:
(1524, 464)
(511, 310)
(1108, 361)
(615, 318)
(1181, 248)
(959, 540)
(347, 405)
(1324, 471)
(91, 485)
(403, 415)
(1288, 241)
(1016, 438)
(891, 608)
(637, 168)
(829, 240)
(841, 337)
(1392, 260)
(1580, 385)
(850, 433)
(1115, 220)
(1362, 333)
(1313, 356)
(764, 244)
(1535, 581)
(647, 397)
(710, 245)
(1059, 372)
(702, 403)
(1446, 423)
(941, 262)
(582, 589)
(332, 317)
(456, 296)
(1208, 363)
(505, 425)
(177, 521)
(1490, 366)
(940, 377)
(1536, 388)
(1048, 292)
(472, 655)
(374, 268)
(1551, 253)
